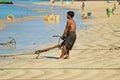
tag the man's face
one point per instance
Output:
(68, 16)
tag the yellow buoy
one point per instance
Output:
(10, 17)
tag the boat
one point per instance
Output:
(6, 2)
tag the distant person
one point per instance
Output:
(114, 7)
(118, 2)
(52, 1)
(69, 36)
(107, 1)
(83, 6)
(107, 12)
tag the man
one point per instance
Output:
(69, 36)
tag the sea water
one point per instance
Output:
(32, 33)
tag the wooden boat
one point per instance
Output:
(6, 2)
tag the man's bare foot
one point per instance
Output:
(60, 58)
(67, 57)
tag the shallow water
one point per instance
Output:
(32, 33)
(36, 0)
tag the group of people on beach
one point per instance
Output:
(110, 11)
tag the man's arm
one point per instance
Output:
(66, 30)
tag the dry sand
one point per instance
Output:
(95, 55)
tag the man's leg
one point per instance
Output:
(67, 54)
(63, 52)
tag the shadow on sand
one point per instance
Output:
(50, 57)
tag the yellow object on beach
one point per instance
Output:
(84, 16)
(52, 18)
(10, 17)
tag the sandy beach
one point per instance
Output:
(95, 55)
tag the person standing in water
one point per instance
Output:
(52, 1)
(69, 36)
(83, 6)
(52, 4)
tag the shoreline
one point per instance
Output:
(88, 21)
(4, 21)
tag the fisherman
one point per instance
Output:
(69, 36)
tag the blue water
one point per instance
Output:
(18, 12)
(32, 33)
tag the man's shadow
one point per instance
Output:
(49, 57)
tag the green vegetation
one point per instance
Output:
(5, 0)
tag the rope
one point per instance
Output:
(11, 42)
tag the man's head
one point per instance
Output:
(70, 14)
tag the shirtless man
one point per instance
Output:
(69, 36)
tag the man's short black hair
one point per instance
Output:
(71, 13)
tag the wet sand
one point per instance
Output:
(95, 55)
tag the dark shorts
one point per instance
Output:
(69, 40)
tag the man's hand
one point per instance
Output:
(62, 37)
